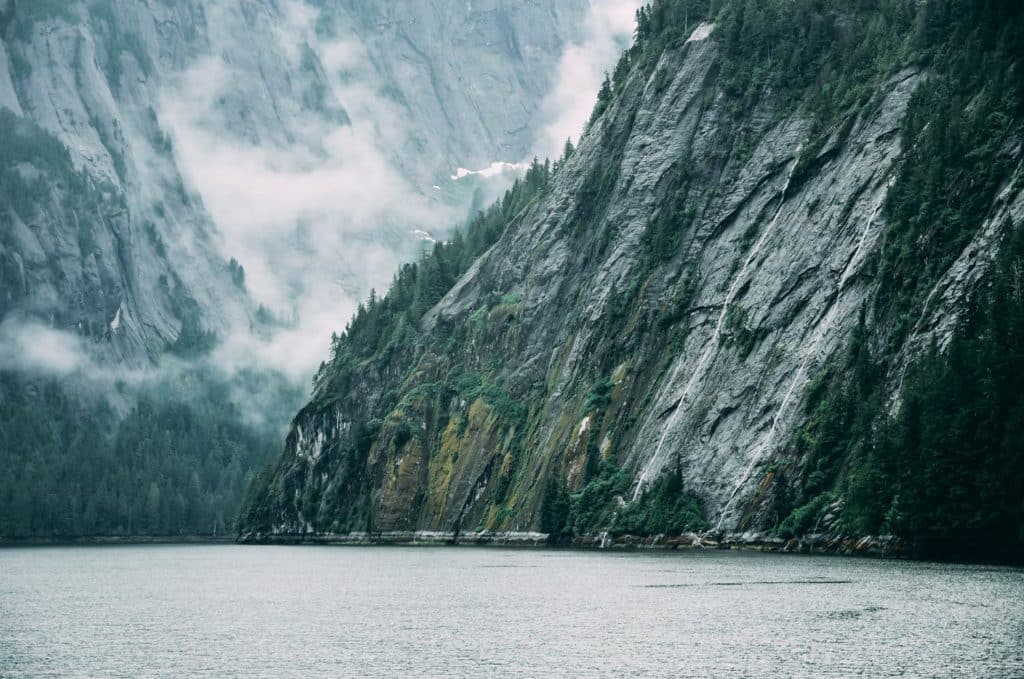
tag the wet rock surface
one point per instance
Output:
(709, 356)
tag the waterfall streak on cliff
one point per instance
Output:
(800, 377)
(713, 346)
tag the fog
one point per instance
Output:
(608, 30)
(312, 205)
(29, 346)
(321, 204)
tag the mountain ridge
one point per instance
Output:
(178, 178)
(669, 299)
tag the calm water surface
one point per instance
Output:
(225, 611)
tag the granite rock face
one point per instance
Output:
(112, 242)
(708, 353)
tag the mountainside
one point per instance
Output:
(175, 175)
(703, 316)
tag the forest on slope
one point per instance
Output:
(942, 468)
(73, 462)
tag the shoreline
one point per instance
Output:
(93, 540)
(885, 547)
(873, 547)
(880, 547)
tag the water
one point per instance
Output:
(224, 611)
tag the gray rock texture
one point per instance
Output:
(710, 353)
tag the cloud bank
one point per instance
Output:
(29, 346)
(306, 171)
(300, 177)
(608, 30)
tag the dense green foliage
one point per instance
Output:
(830, 55)
(172, 466)
(32, 162)
(664, 509)
(385, 324)
(589, 509)
(955, 130)
(948, 469)
(840, 408)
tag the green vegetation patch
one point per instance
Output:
(664, 509)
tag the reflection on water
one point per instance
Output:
(223, 611)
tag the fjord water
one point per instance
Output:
(224, 610)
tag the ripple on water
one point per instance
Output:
(225, 611)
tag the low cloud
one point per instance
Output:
(318, 203)
(315, 207)
(31, 347)
(608, 30)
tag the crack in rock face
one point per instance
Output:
(581, 343)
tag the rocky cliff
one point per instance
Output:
(663, 306)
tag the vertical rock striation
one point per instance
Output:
(576, 339)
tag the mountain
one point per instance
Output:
(179, 178)
(769, 298)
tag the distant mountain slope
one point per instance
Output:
(194, 193)
(115, 226)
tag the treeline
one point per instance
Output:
(383, 323)
(70, 467)
(948, 469)
(32, 163)
(664, 509)
(830, 56)
(956, 132)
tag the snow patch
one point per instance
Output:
(423, 235)
(701, 32)
(116, 323)
(496, 168)
(584, 426)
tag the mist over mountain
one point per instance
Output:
(197, 194)
(652, 298)
(733, 272)
(768, 300)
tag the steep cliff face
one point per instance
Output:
(663, 303)
(100, 234)
(472, 75)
